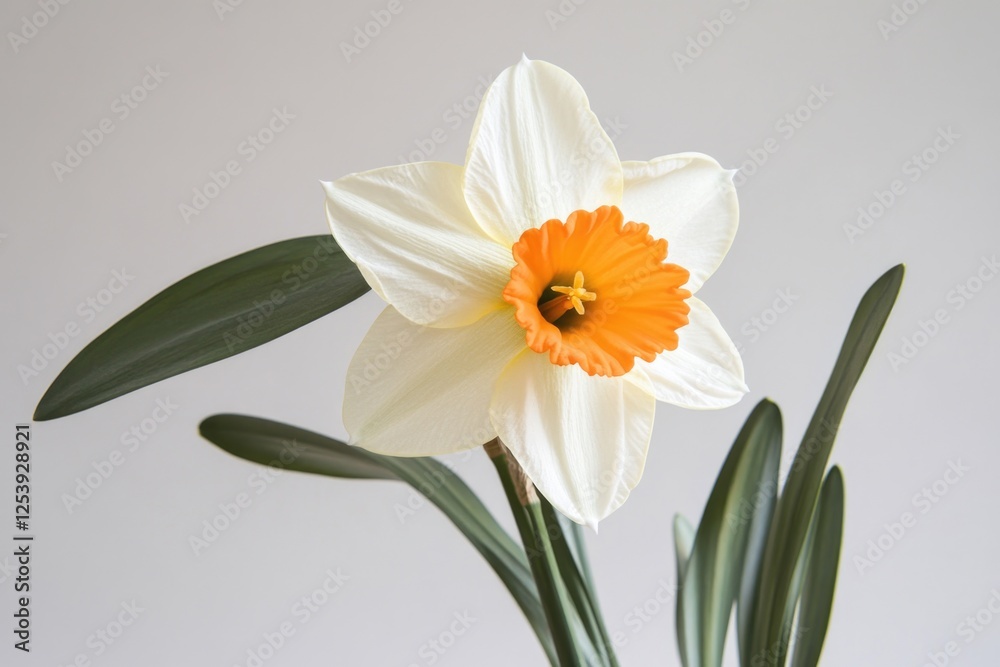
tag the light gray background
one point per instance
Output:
(119, 210)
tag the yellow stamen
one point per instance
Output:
(577, 295)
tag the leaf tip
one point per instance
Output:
(767, 407)
(893, 278)
(835, 476)
(211, 427)
(48, 408)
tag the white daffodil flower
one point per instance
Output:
(529, 297)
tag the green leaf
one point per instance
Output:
(220, 311)
(785, 638)
(715, 567)
(777, 595)
(820, 578)
(758, 528)
(291, 448)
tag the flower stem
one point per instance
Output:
(575, 574)
(527, 510)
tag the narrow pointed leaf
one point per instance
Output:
(789, 529)
(290, 448)
(785, 639)
(758, 528)
(220, 311)
(820, 580)
(714, 569)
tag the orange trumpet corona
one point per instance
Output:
(597, 291)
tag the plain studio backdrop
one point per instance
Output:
(866, 133)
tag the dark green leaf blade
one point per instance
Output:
(291, 448)
(220, 311)
(758, 528)
(821, 572)
(714, 568)
(777, 593)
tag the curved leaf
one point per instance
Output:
(292, 448)
(758, 528)
(778, 593)
(220, 311)
(821, 572)
(715, 567)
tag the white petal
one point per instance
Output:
(582, 440)
(704, 372)
(537, 152)
(421, 391)
(417, 244)
(690, 201)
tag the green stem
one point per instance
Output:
(527, 512)
(576, 577)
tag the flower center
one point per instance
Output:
(641, 303)
(572, 297)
